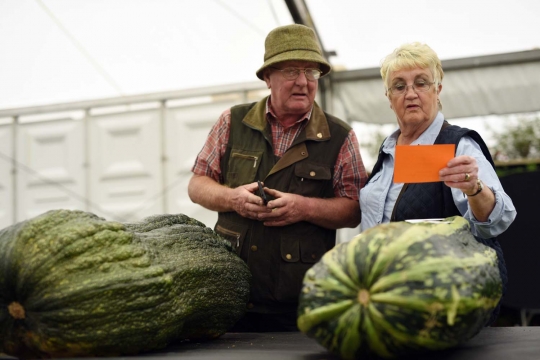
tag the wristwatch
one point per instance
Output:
(480, 188)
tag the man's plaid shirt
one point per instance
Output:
(349, 172)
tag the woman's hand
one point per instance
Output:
(461, 173)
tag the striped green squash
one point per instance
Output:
(401, 288)
(73, 284)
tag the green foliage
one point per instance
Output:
(518, 141)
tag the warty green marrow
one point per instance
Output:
(73, 284)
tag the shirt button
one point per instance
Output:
(254, 248)
(313, 256)
(319, 135)
(312, 173)
(303, 153)
(250, 306)
(288, 256)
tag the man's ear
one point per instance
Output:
(266, 77)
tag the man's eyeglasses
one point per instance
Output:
(401, 88)
(293, 73)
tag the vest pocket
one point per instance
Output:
(243, 166)
(310, 179)
(311, 250)
(234, 234)
(291, 270)
(290, 249)
(298, 255)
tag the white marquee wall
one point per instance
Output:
(130, 157)
(121, 162)
(6, 179)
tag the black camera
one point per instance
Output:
(262, 194)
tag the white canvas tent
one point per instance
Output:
(477, 86)
(125, 156)
(58, 51)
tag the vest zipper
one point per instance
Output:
(229, 233)
(249, 157)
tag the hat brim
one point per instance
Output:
(296, 55)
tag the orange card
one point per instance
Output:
(421, 163)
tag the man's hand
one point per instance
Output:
(288, 208)
(244, 201)
(285, 209)
(206, 192)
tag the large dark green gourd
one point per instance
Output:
(73, 284)
(399, 289)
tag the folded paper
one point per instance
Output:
(421, 163)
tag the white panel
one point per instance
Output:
(50, 174)
(6, 180)
(346, 234)
(125, 181)
(187, 129)
(491, 90)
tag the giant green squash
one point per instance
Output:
(401, 288)
(73, 284)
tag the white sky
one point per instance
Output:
(61, 54)
(364, 32)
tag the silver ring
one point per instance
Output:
(467, 177)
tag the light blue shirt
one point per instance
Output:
(378, 197)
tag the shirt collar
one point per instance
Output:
(426, 138)
(430, 134)
(271, 115)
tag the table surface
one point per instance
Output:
(494, 343)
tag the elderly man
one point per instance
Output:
(312, 172)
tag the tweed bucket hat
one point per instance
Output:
(292, 42)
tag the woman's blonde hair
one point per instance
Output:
(410, 56)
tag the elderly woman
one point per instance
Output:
(469, 186)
